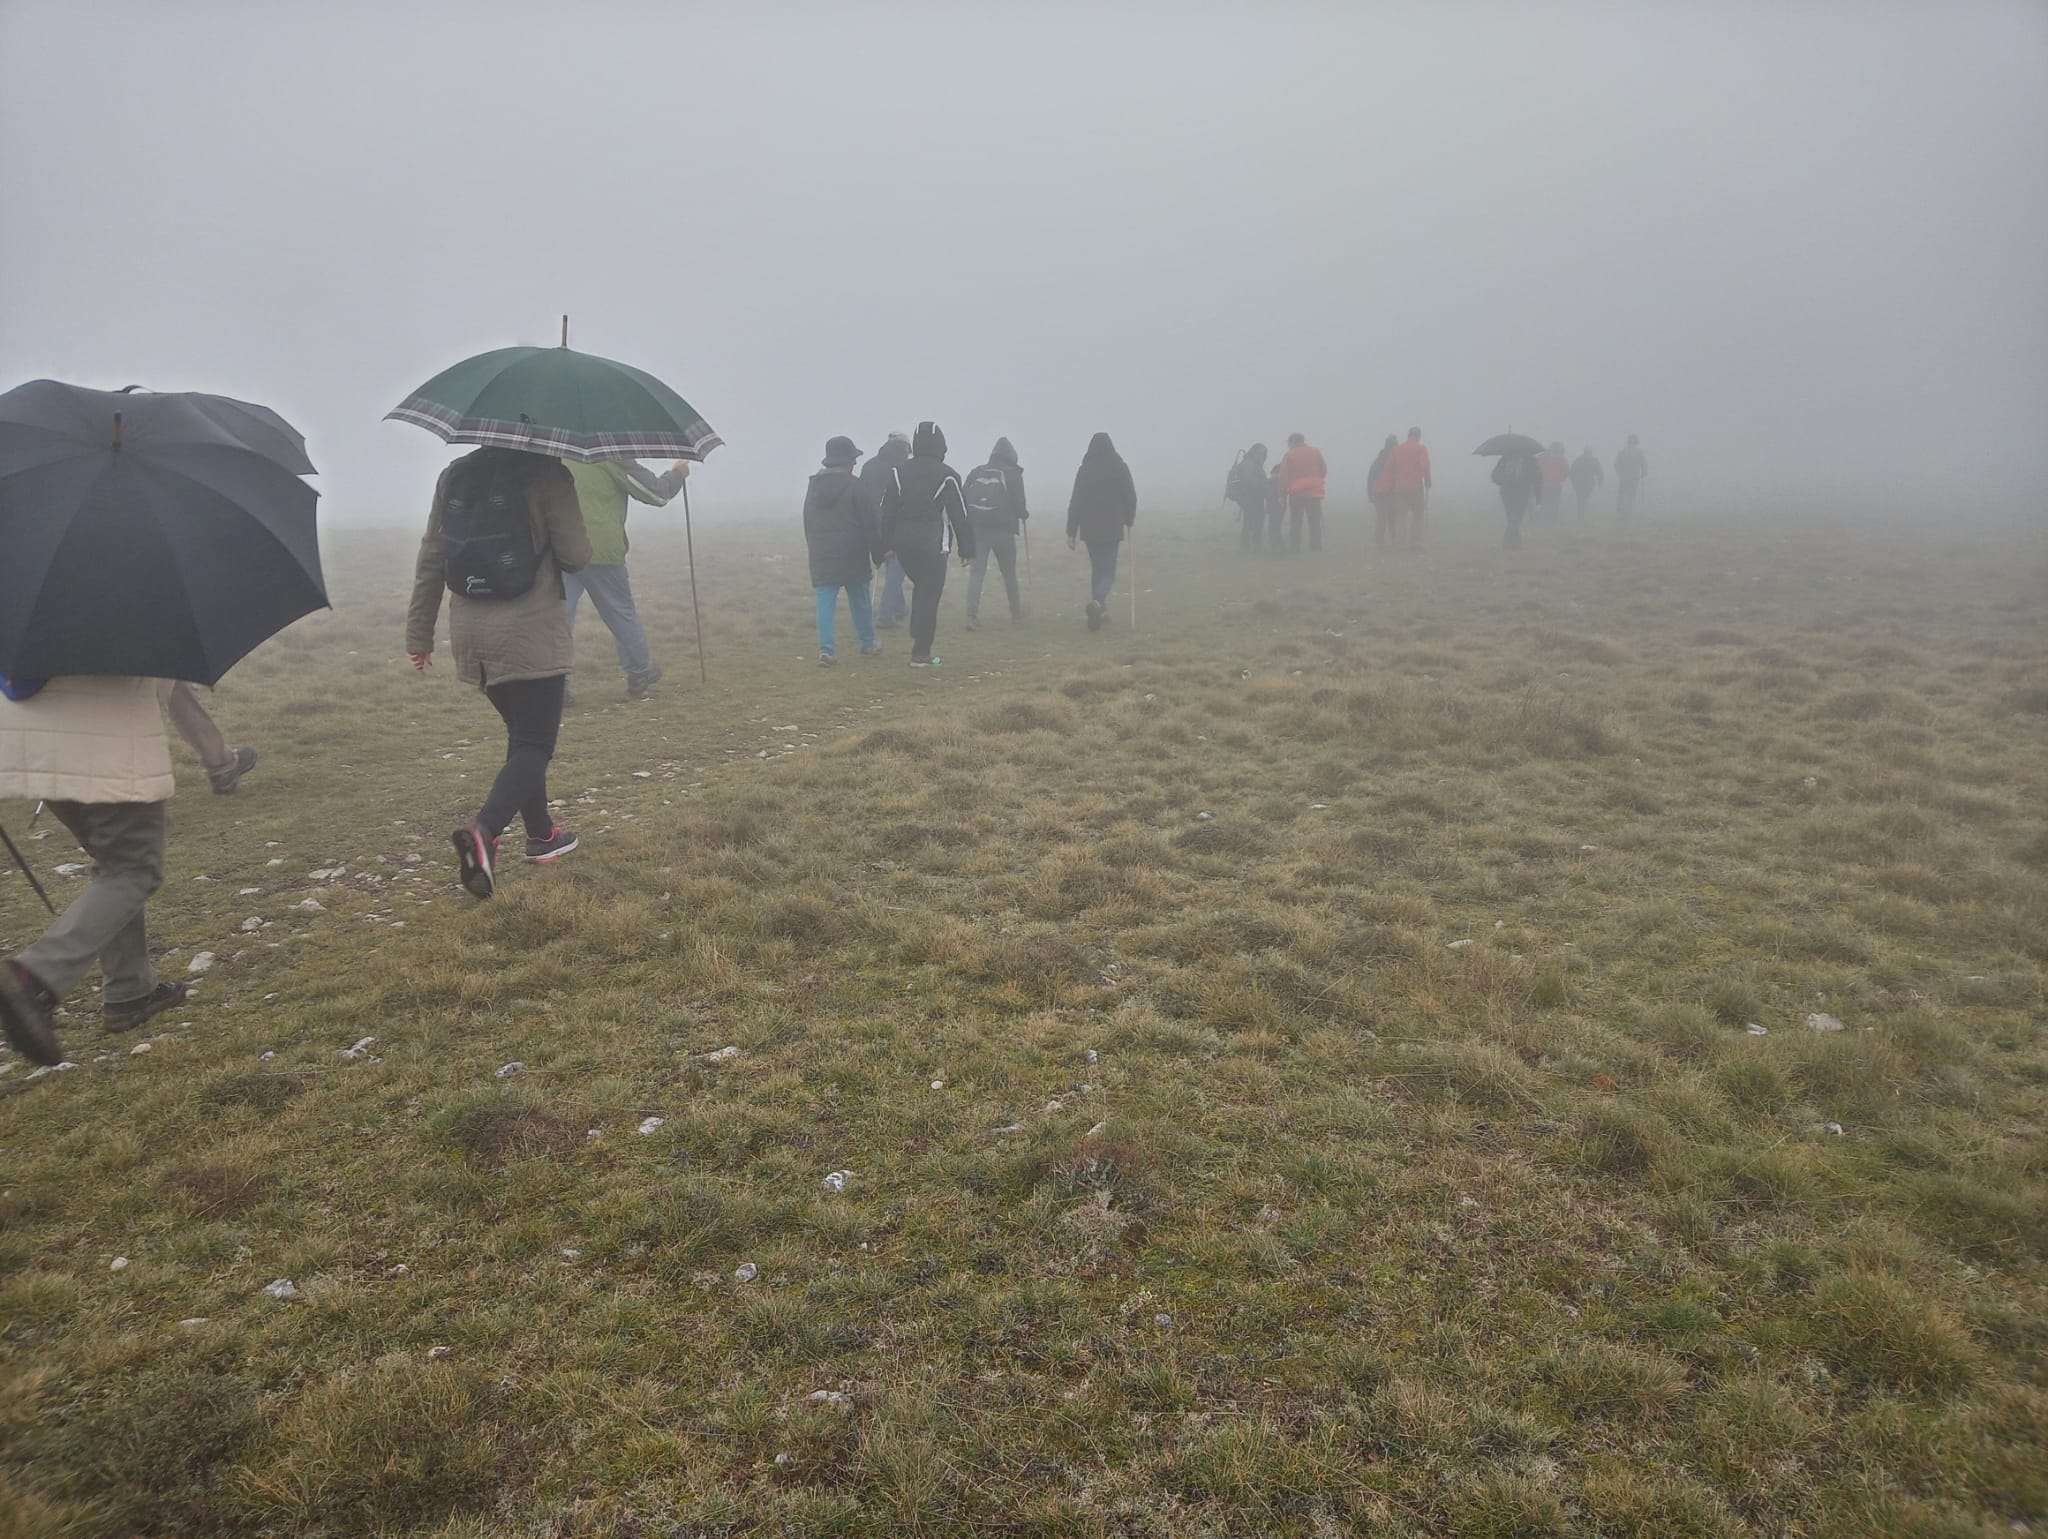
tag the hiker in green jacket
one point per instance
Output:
(603, 487)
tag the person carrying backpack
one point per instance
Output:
(841, 529)
(994, 495)
(923, 516)
(504, 527)
(1248, 487)
(1104, 505)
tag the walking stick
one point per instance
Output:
(696, 609)
(26, 871)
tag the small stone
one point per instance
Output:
(283, 1288)
(836, 1180)
(1318, 806)
(311, 906)
(1500, 924)
(832, 1400)
(1757, 1031)
(1162, 1320)
(1055, 1106)
(250, 925)
(650, 1124)
(723, 1055)
(1468, 1202)
(1011, 1127)
(200, 963)
(275, 861)
(1098, 1130)
(1458, 945)
(435, 1354)
(1589, 849)
(51, 1068)
(745, 1272)
(1820, 1020)
(361, 1049)
(1832, 1128)
(511, 1069)
(1205, 817)
(118, 1264)
(938, 1084)
(572, 1254)
(195, 1320)
(1094, 1056)
(266, 1055)
(250, 892)
(643, 774)
(71, 868)
(138, 1049)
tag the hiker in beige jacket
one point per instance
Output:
(93, 750)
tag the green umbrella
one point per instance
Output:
(551, 400)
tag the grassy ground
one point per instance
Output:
(1297, 1068)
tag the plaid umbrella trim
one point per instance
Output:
(691, 443)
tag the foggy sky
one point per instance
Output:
(1802, 249)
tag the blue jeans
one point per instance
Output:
(894, 606)
(857, 604)
(1102, 568)
(613, 595)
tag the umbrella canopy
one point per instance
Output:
(139, 534)
(552, 400)
(1510, 443)
(256, 427)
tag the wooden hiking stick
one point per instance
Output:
(696, 609)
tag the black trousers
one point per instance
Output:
(532, 709)
(926, 572)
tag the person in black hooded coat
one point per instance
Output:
(1104, 505)
(923, 514)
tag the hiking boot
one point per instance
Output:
(973, 624)
(25, 1011)
(1094, 615)
(924, 662)
(827, 659)
(642, 687)
(557, 844)
(225, 782)
(131, 1013)
(477, 853)
(873, 649)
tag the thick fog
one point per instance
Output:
(1800, 249)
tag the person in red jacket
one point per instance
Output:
(1304, 475)
(1409, 465)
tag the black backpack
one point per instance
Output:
(988, 495)
(487, 530)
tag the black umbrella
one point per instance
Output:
(1510, 443)
(255, 427)
(146, 534)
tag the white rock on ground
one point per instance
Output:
(649, 1124)
(836, 1180)
(201, 962)
(1757, 1031)
(745, 1272)
(1820, 1020)
(722, 1055)
(282, 1288)
(118, 1264)
(361, 1049)
(138, 1049)
(511, 1069)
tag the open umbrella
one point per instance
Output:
(139, 534)
(1510, 443)
(574, 406)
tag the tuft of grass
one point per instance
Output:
(1875, 1329)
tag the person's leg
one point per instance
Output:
(893, 607)
(927, 576)
(192, 722)
(1005, 548)
(859, 604)
(532, 711)
(1102, 565)
(572, 592)
(611, 590)
(1276, 524)
(1297, 508)
(975, 575)
(105, 922)
(1315, 523)
(828, 611)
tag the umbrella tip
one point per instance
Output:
(565, 331)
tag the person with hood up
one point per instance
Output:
(874, 475)
(1249, 488)
(1305, 476)
(1586, 477)
(1631, 466)
(1520, 480)
(504, 528)
(1553, 467)
(94, 751)
(996, 507)
(923, 516)
(1379, 490)
(1409, 463)
(1104, 505)
(842, 526)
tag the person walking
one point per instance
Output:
(1249, 487)
(94, 751)
(1103, 506)
(1520, 480)
(995, 506)
(1631, 467)
(224, 765)
(891, 457)
(842, 526)
(1413, 480)
(1379, 491)
(1587, 477)
(603, 490)
(923, 516)
(1552, 467)
(1305, 475)
(505, 529)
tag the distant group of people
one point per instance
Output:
(1531, 478)
(1288, 497)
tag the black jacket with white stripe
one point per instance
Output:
(921, 500)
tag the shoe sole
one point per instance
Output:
(125, 1020)
(556, 854)
(478, 880)
(20, 1022)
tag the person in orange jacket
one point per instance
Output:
(1553, 467)
(1409, 465)
(1304, 475)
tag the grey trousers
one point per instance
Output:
(199, 730)
(612, 592)
(1004, 548)
(105, 922)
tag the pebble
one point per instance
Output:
(137, 1049)
(311, 906)
(1098, 1130)
(745, 1272)
(1055, 1106)
(1834, 1128)
(1205, 817)
(250, 892)
(71, 869)
(118, 1264)
(1822, 1021)
(435, 1354)
(283, 1288)
(195, 1320)
(1757, 1031)
(1094, 1056)
(511, 1069)
(275, 861)
(1162, 1320)
(361, 1049)
(938, 1084)
(266, 1055)
(201, 962)
(832, 1399)
(1458, 945)
(572, 1255)
(649, 1124)
(250, 925)
(51, 1068)
(836, 1180)
(723, 1055)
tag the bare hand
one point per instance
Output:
(683, 466)
(1070, 542)
(421, 661)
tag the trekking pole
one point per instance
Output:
(22, 861)
(696, 609)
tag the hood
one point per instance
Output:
(929, 443)
(1099, 448)
(894, 452)
(1003, 454)
(1256, 454)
